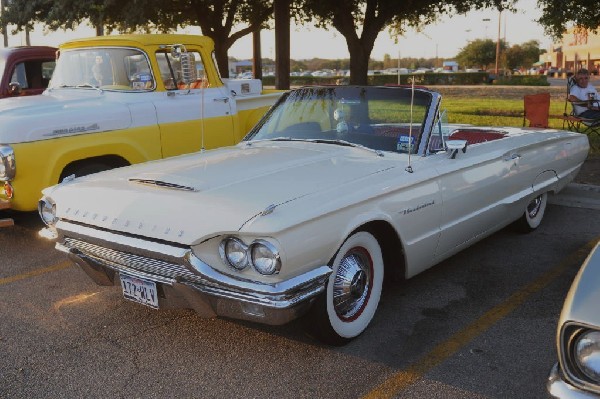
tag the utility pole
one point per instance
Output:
(498, 43)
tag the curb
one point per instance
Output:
(578, 196)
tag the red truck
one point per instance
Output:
(26, 70)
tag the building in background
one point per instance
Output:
(579, 48)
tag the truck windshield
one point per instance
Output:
(106, 68)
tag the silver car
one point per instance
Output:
(577, 373)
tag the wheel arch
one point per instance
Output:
(392, 248)
(110, 160)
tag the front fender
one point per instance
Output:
(39, 164)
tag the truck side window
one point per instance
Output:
(170, 71)
(33, 74)
(19, 76)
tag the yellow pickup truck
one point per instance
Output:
(119, 100)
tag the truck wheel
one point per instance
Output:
(352, 294)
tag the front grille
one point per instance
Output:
(113, 259)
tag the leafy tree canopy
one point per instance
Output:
(480, 53)
(557, 16)
(219, 19)
(361, 21)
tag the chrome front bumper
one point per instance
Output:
(5, 204)
(184, 280)
(559, 388)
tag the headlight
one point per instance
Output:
(234, 252)
(47, 210)
(261, 254)
(265, 257)
(587, 354)
(7, 163)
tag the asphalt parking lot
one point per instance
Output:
(479, 325)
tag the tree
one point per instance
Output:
(218, 19)
(523, 55)
(361, 21)
(479, 53)
(558, 15)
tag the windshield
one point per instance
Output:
(380, 118)
(106, 68)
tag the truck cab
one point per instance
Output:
(118, 100)
(26, 70)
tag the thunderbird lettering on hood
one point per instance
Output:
(225, 189)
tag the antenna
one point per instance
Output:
(410, 142)
(202, 110)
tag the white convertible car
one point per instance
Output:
(335, 190)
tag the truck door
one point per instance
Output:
(192, 116)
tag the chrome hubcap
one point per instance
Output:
(352, 284)
(534, 207)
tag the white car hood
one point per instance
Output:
(58, 113)
(186, 198)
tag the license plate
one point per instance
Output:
(139, 290)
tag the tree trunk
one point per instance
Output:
(282, 44)
(256, 55)
(222, 59)
(359, 61)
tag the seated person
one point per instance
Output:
(584, 96)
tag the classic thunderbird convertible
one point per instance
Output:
(336, 189)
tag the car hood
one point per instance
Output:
(59, 113)
(186, 198)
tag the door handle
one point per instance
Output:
(510, 157)
(222, 99)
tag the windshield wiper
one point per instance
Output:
(89, 86)
(346, 144)
(326, 141)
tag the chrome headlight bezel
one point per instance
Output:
(8, 168)
(577, 341)
(229, 247)
(47, 211)
(258, 249)
(262, 255)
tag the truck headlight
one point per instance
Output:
(47, 211)
(7, 163)
(234, 252)
(265, 257)
(587, 354)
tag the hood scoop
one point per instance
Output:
(163, 184)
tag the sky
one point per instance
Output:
(443, 39)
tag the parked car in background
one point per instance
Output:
(577, 373)
(336, 189)
(26, 70)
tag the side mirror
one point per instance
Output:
(14, 89)
(453, 146)
(188, 63)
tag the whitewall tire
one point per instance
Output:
(534, 213)
(353, 290)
